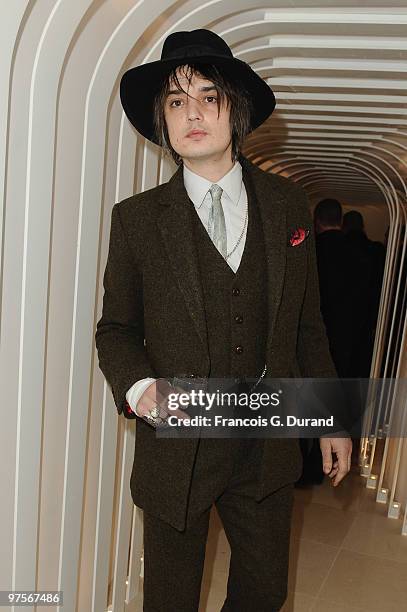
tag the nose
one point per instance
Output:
(193, 109)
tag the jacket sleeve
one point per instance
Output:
(119, 333)
(313, 353)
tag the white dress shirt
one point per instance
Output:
(234, 203)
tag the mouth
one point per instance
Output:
(196, 134)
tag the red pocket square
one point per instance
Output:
(298, 235)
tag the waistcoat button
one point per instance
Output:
(235, 291)
(239, 349)
(239, 319)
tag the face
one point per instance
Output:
(194, 128)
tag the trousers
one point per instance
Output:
(225, 474)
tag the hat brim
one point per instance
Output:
(140, 85)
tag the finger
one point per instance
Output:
(159, 420)
(148, 418)
(334, 469)
(145, 406)
(158, 397)
(163, 386)
(342, 469)
(160, 390)
(326, 451)
(333, 473)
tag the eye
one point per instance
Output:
(177, 102)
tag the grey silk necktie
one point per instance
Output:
(216, 222)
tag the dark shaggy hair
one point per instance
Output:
(228, 91)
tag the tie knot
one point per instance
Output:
(216, 192)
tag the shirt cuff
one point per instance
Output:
(135, 392)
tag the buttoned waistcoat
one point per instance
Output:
(153, 322)
(235, 303)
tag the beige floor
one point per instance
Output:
(346, 555)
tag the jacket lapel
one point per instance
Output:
(175, 228)
(272, 204)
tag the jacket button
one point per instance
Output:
(239, 319)
(239, 349)
(235, 291)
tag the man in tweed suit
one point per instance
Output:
(202, 282)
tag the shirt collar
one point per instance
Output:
(197, 186)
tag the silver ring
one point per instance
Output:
(154, 412)
(153, 416)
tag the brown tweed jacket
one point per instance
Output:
(153, 322)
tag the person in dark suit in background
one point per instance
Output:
(366, 278)
(368, 259)
(350, 271)
(206, 277)
(336, 285)
(336, 305)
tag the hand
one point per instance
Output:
(156, 395)
(342, 447)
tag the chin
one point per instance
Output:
(195, 154)
(202, 151)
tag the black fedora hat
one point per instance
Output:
(139, 86)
